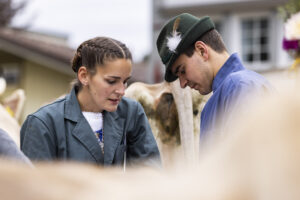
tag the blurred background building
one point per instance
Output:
(37, 63)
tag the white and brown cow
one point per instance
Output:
(174, 116)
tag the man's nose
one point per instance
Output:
(183, 82)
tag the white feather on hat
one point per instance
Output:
(175, 38)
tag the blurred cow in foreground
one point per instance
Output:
(258, 159)
(174, 116)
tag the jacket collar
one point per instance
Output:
(112, 129)
(72, 107)
(232, 64)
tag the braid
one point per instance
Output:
(77, 61)
(97, 51)
(117, 45)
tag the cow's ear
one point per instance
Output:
(83, 75)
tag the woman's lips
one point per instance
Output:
(114, 101)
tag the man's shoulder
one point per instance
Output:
(245, 77)
(246, 82)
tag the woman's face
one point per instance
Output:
(104, 89)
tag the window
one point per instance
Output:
(255, 40)
(11, 73)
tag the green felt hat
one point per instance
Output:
(177, 35)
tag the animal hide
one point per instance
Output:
(174, 116)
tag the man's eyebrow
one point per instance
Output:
(177, 69)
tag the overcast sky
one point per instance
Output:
(125, 20)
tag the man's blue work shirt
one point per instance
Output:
(232, 83)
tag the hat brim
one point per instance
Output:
(190, 37)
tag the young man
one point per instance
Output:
(193, 51)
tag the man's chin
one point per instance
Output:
(204, 92)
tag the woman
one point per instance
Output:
(93, 123)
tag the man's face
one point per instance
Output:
(194, 71)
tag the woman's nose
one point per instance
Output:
(121, 90)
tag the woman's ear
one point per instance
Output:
(82, 75)
(202, 49)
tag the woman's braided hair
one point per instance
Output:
(97, 51)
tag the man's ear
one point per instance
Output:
(82, 75)
(202, 49)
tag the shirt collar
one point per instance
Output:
(232, 64)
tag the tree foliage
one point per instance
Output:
(8, 10)
(290, 8)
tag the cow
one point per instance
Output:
(174, 116)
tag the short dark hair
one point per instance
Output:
(97, 51)
(211, 38)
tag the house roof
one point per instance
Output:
(44, 49)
